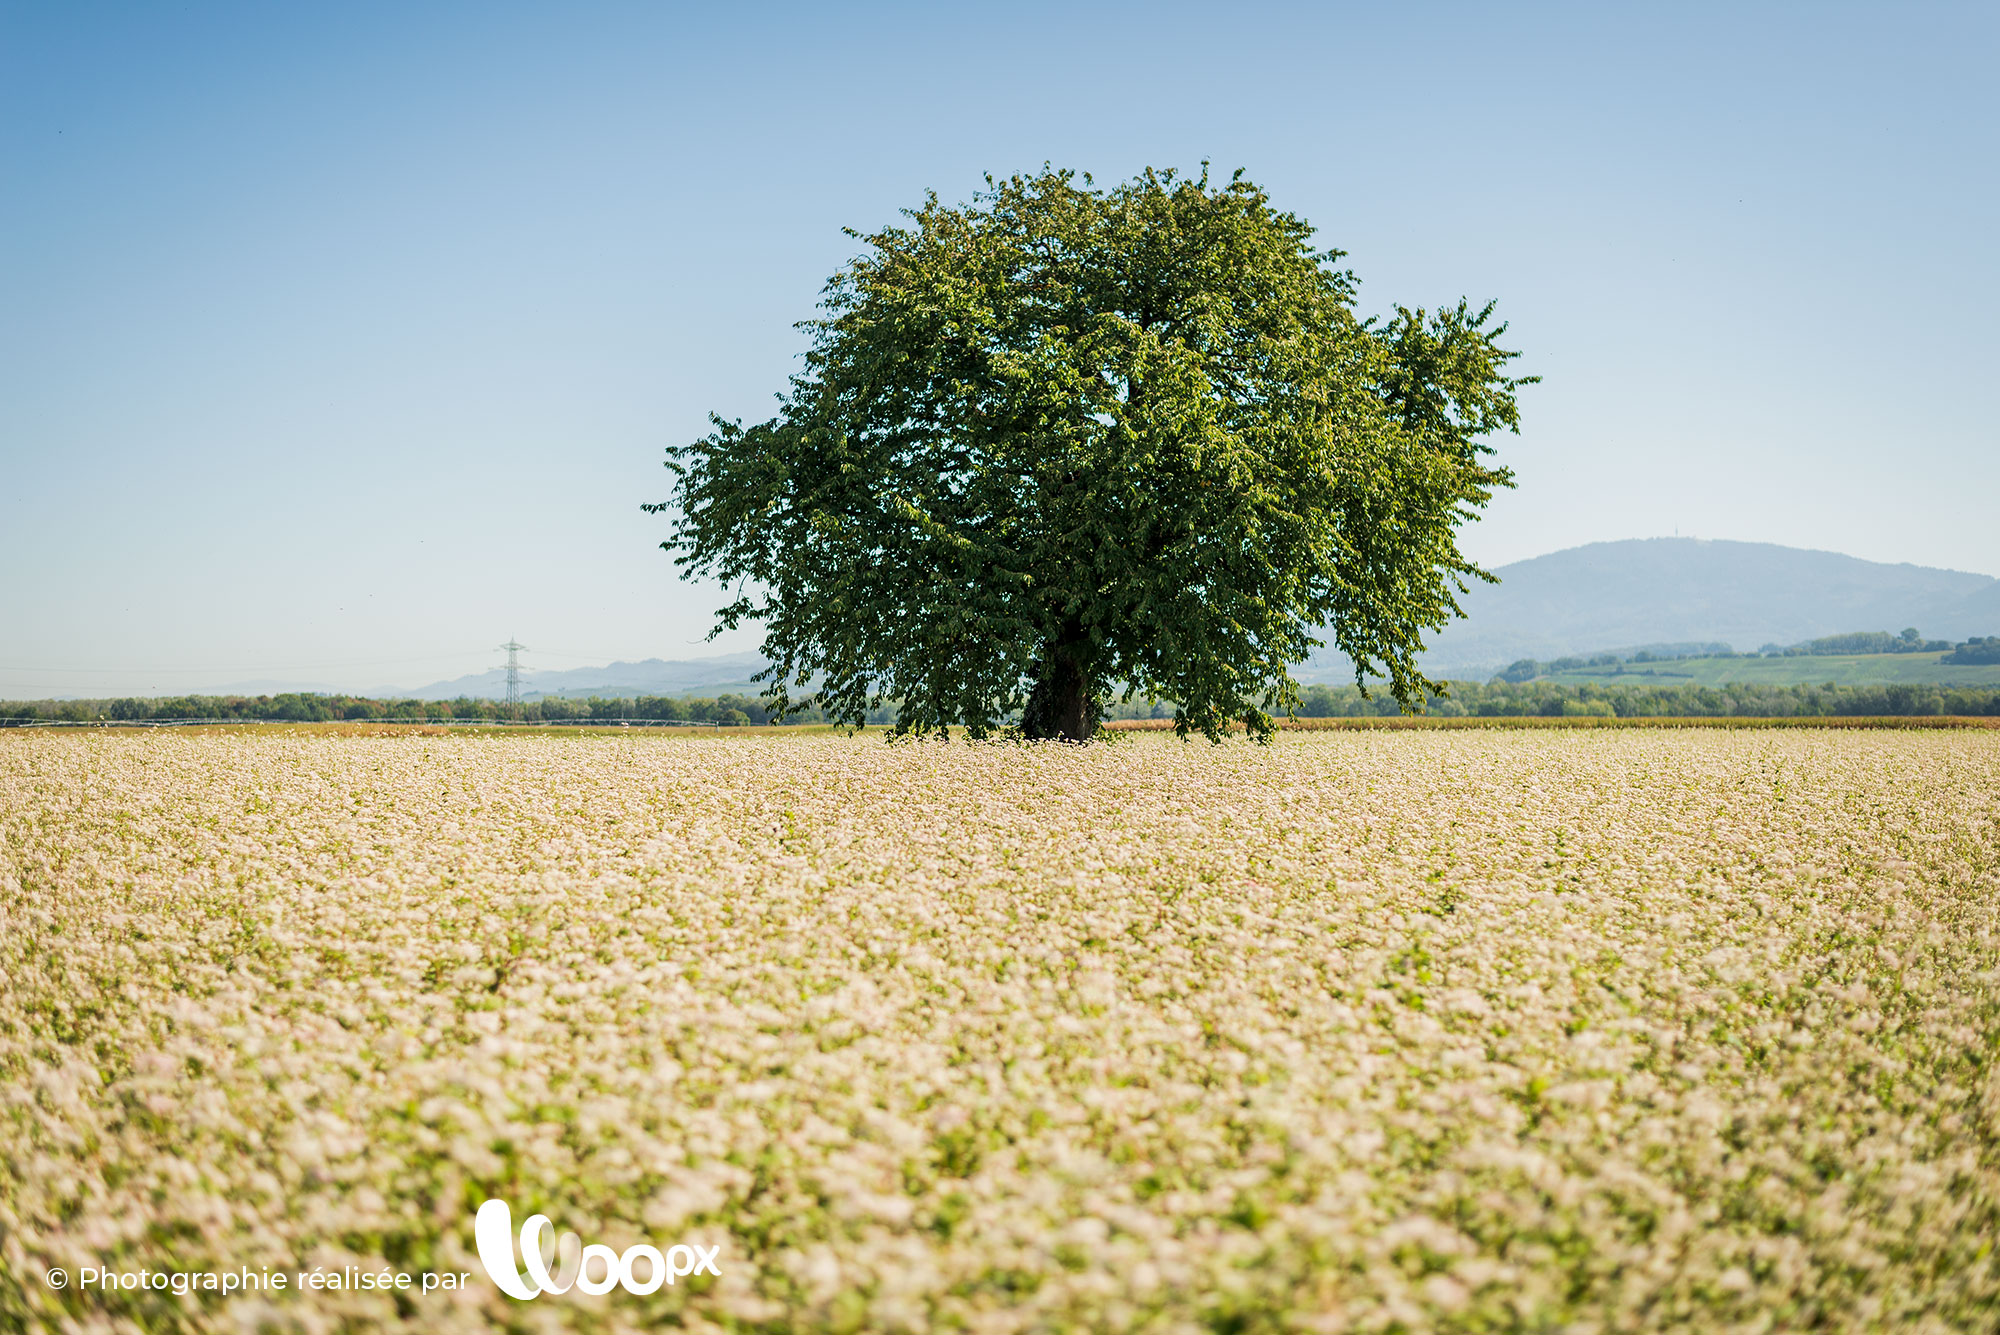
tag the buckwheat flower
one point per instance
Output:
(1469, 1030)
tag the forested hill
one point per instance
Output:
(1613, 595)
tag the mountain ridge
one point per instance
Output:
(1596, 597)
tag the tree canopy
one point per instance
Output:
(1065, 442)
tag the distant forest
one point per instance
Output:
(1494, 699)
(1502, 699)
(294, 707)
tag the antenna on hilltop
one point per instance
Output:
(513, 676)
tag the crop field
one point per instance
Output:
(1388, 1031)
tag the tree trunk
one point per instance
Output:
(1061, 706)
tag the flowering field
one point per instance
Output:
(1591, 1031)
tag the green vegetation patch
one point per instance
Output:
(1929, 668)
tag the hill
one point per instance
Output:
(651, 676)
(1609, 596)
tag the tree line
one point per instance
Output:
(1493, 699)
(1910, 641)
(1975, 651)
(1505, 699)
(299, 707)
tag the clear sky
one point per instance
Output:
(339, 343)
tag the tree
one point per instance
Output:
(1064, 441)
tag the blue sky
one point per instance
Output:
(339, 343)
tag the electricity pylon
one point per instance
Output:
(513, 677)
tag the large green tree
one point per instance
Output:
(1067, 441)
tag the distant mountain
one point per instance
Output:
(1620, 595)
(652, 676)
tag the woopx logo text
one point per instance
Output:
(493, 1231)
